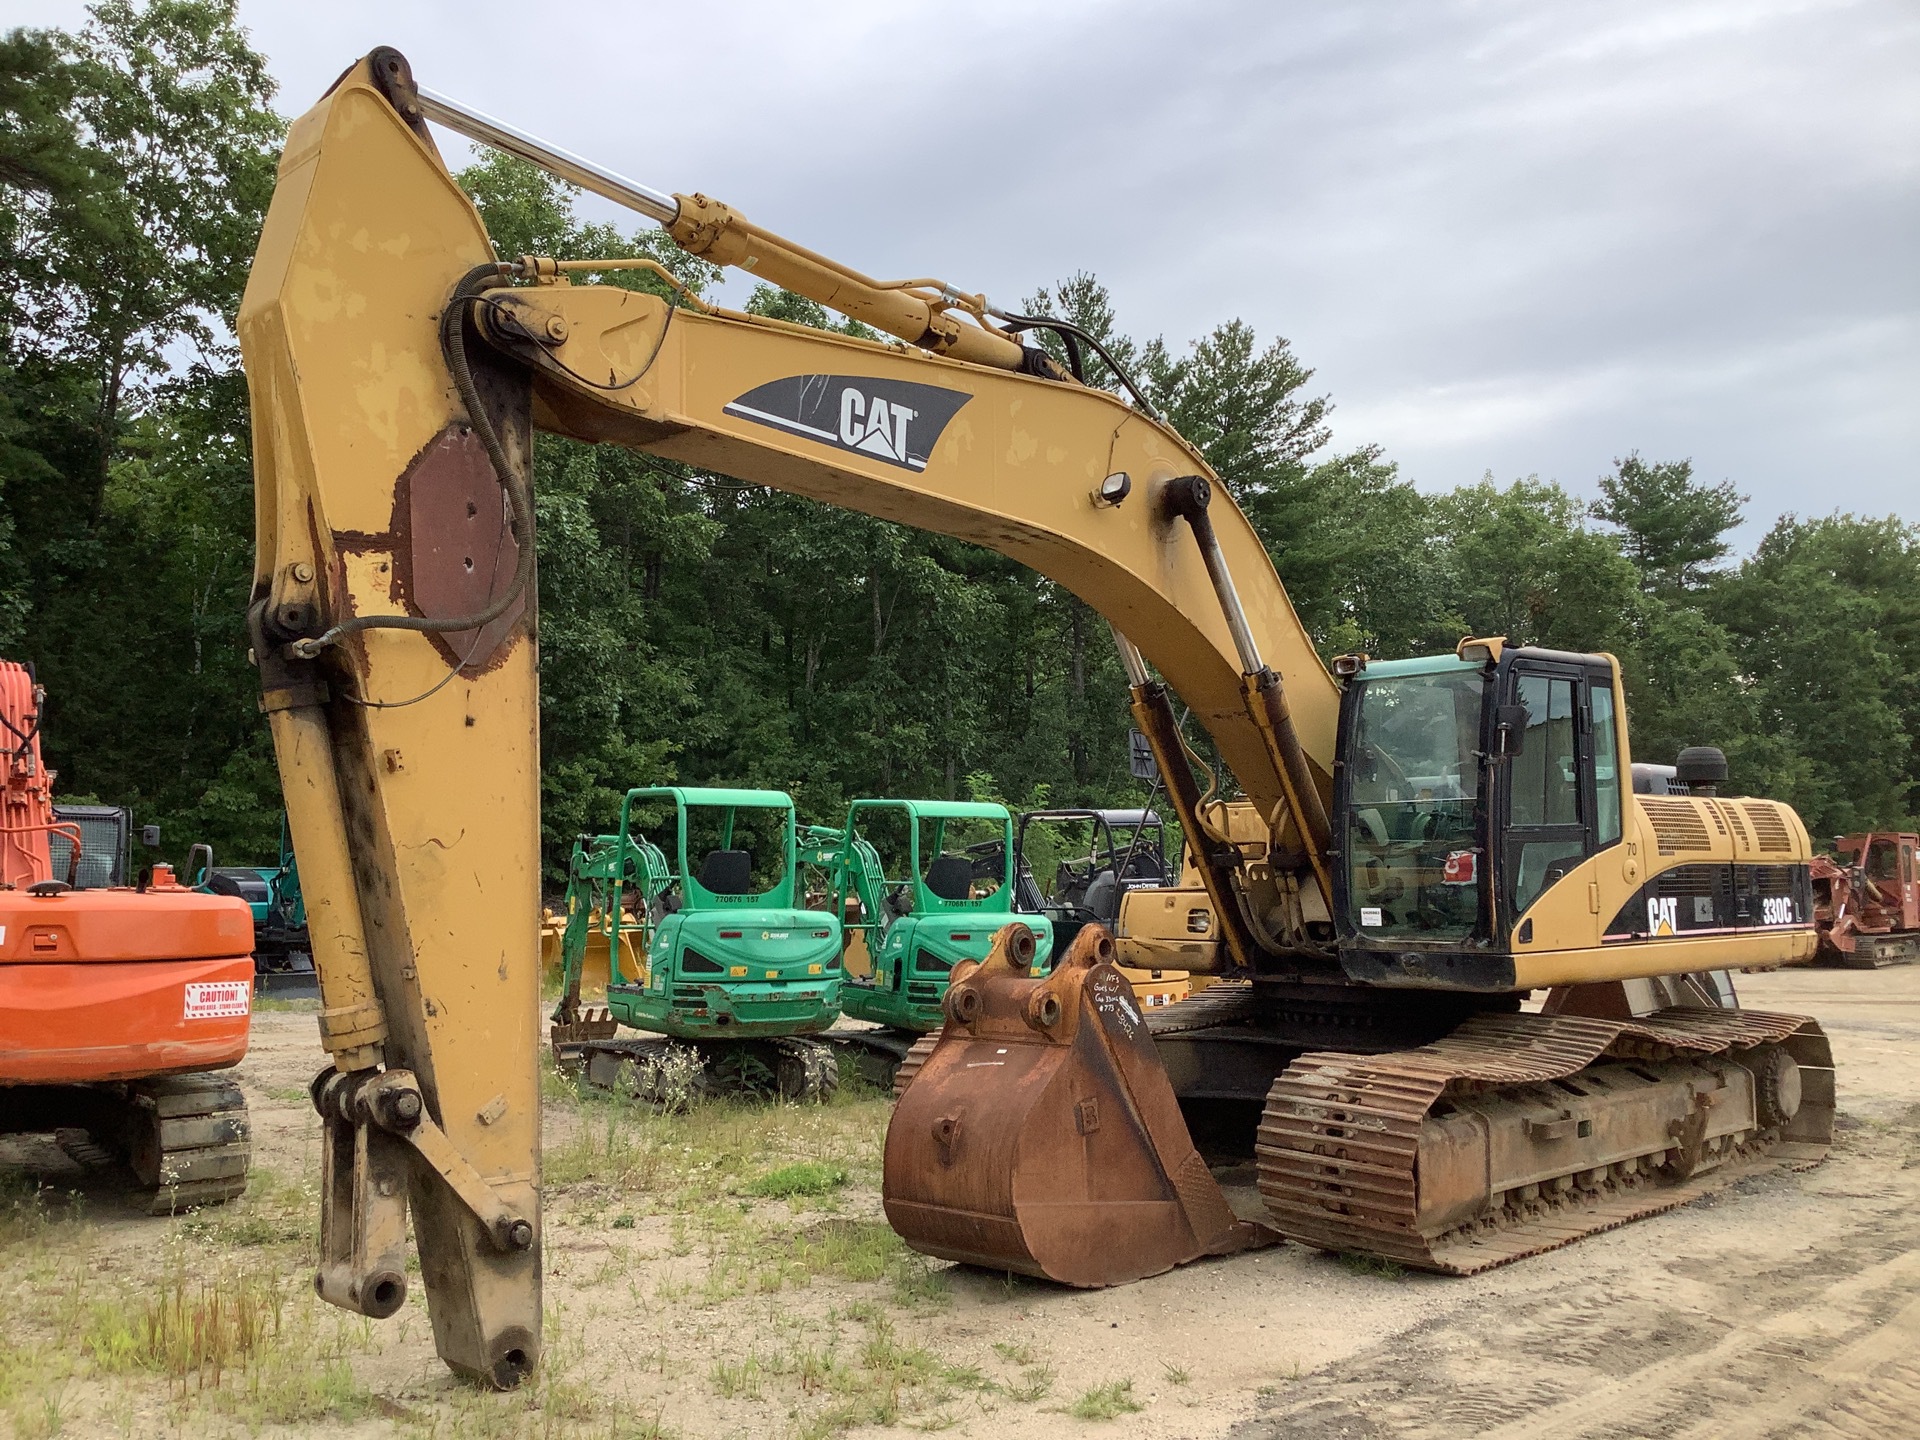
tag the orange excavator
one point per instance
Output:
(118, 1006)
(1417, 847)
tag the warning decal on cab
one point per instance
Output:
(218, 999)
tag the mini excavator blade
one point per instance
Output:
(1042, 1134)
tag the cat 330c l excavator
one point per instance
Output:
(1435, 839)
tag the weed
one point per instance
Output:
(1106, 1402)
(918, 1283)
(1373, 1265)
(1036, 1383)
(1175, 1374)
(965, 1377)
(902, 1364)
(741, 1380)
(200, 1329)
(1014, 1352)
(41, 1420)
(806, 1177)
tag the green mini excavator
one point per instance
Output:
(734, 972)
(919, 886)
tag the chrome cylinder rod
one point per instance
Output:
(574, 169)
(1131, 660)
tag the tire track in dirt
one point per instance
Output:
(1775, 1327)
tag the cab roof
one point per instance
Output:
(715, 795)
(943, 809)
(1418, 665)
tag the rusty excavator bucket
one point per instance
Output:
(1042, 1134)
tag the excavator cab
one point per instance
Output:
(1094, 857)
(1471, 785)
(1488, 828)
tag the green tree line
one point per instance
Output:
(696, 629)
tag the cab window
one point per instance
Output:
(1883, 861)
(1606, 766)
(1546, 836)
(1546, 774)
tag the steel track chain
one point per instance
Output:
(1340, 1135)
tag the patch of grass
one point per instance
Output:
(846, 1383)
(274, 1211)
(1175, 1374)
(1015, 1352)
(281, 1005)
(1106, 1402)
(718, 1151)
(1036, 1383)
(919, 1283)
(29, 1209)
(965, 1377)
(1373, 1265)
(193, 1329)
(804, 1177)
(733, 1380)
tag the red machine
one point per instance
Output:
(1866, 900)
(116, 1003)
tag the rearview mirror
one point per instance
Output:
(150, 835)
(1140, 762)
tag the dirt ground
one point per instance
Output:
(728, 1274)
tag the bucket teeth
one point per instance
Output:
(1041, 1135)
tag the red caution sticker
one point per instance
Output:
(218, 999)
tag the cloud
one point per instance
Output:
(1508, 236)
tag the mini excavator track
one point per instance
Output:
(675, 1074)
(910, 1066)
(189, 1139)
(1519, 1133)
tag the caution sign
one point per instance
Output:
(219, 999)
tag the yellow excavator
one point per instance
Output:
(1422, 843)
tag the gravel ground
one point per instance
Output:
(729, 1274)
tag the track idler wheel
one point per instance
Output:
(1041, 1135)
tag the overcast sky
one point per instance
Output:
(1508, 236)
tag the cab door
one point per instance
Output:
(1548, 811)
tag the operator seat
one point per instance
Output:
(727, 872)
(951, 877)
(1102, 899)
